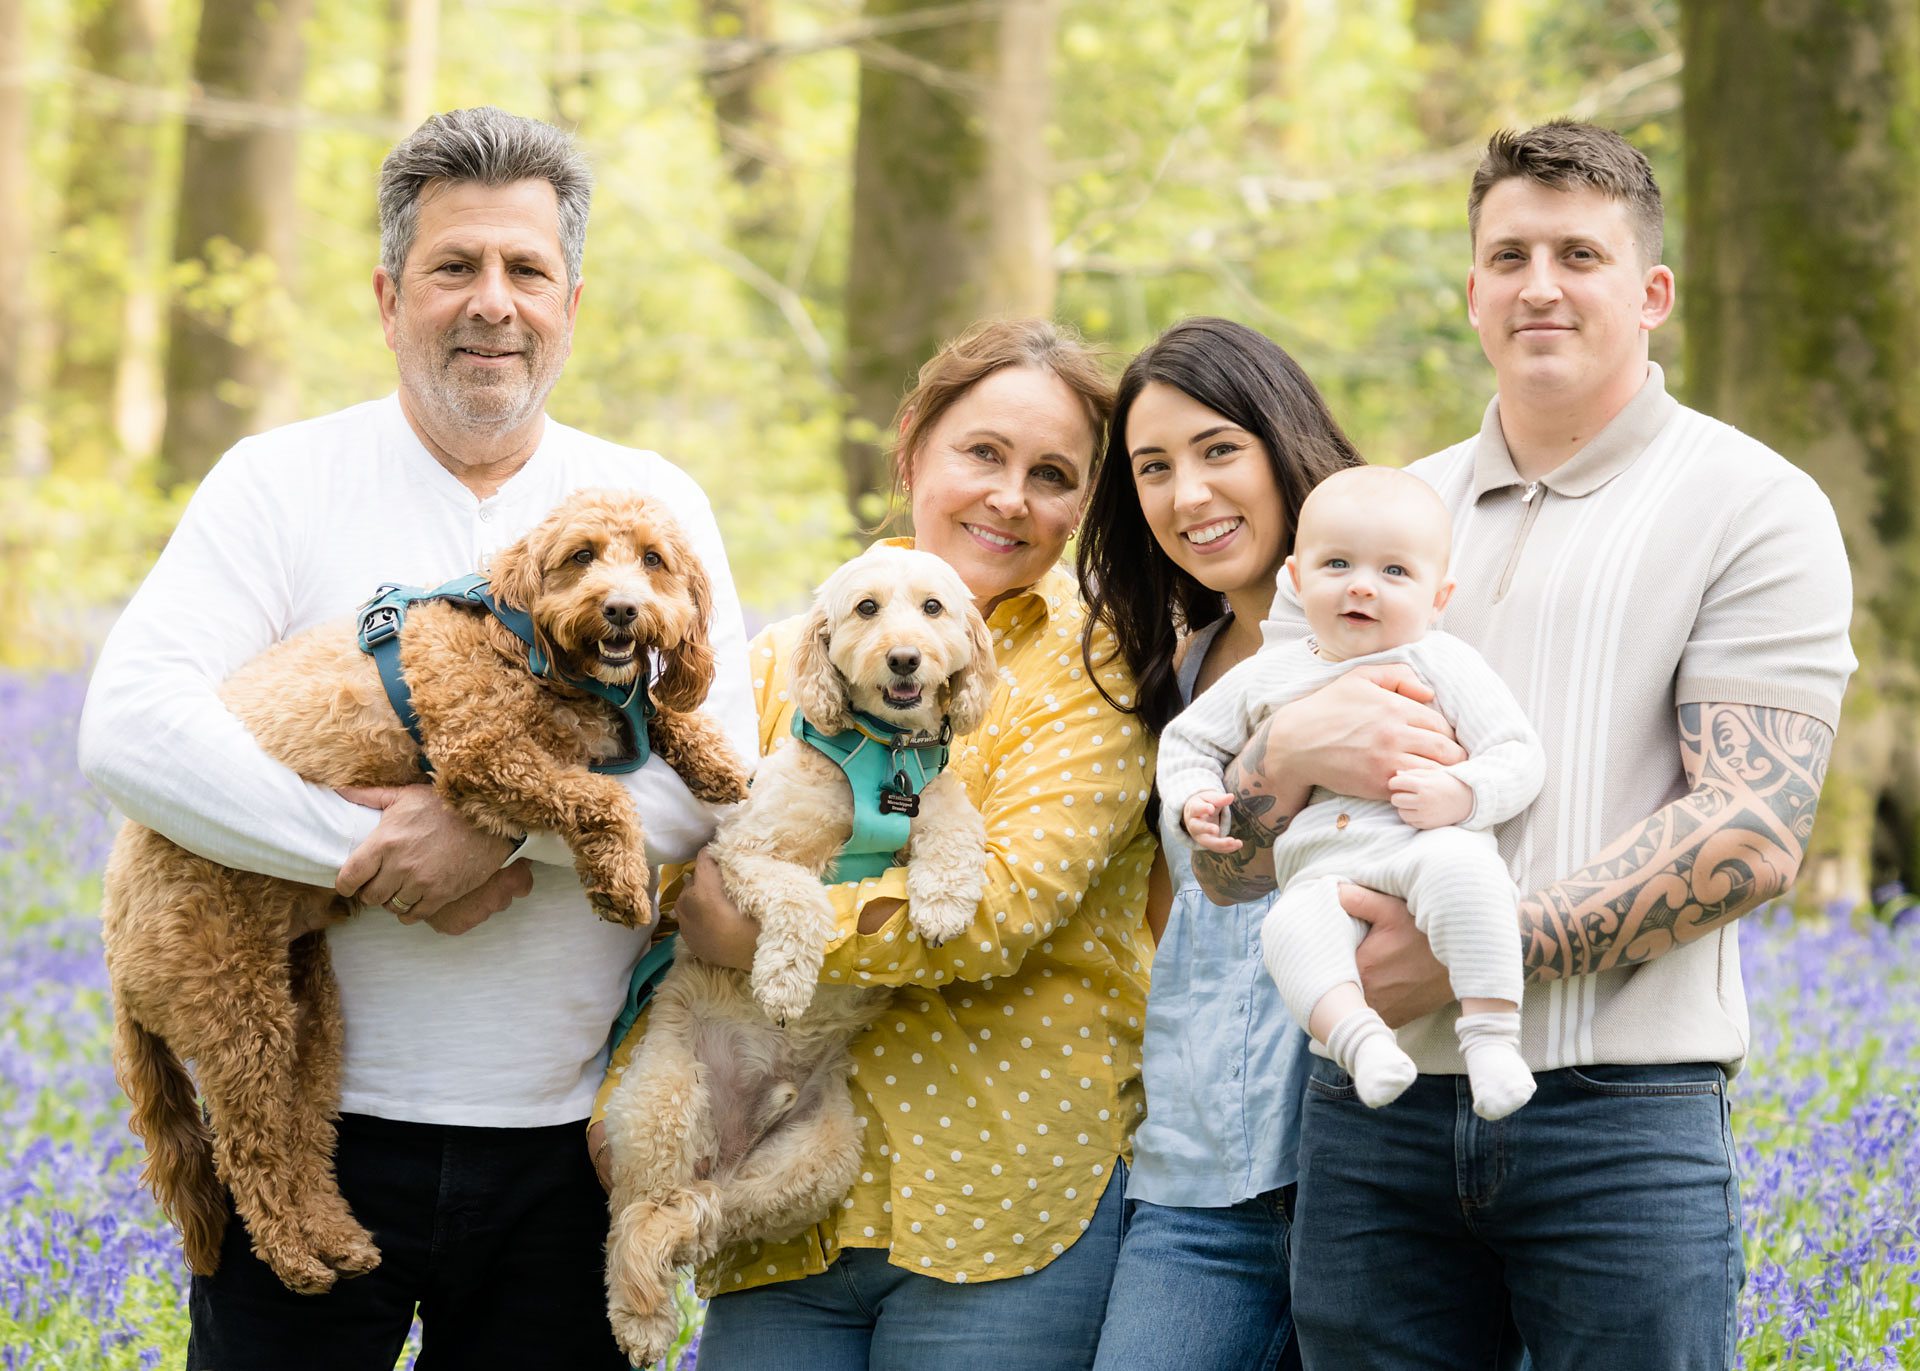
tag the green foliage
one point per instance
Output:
(712, 326)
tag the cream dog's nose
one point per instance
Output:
(903, 661)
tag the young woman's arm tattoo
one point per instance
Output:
(1235, 877)
(1732, 841)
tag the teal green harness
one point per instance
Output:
(647, 975)
(380, 621)
(887, 768)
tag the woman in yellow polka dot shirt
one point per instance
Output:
(1001, 1086)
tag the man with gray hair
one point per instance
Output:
(475, 1032)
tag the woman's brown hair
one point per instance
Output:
(976, 354)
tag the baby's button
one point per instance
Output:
(1343, 821)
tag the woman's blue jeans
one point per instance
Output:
(862, 1314)
(1601, 1220)
(1202, 1290)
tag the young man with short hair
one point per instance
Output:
(1669, 601)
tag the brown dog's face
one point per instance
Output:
(606, 576)
(894, 633)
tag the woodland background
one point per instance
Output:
(797, 199)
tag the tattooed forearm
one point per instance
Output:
(1735, 839)
(1245, 874)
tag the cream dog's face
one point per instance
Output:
(607, 575)
(894, 634)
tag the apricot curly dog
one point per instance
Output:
(201, 960)
(733, 1121)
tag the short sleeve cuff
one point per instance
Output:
(1737, 690)
(852, 951)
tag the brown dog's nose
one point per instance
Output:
(903, 661)
(620, 611)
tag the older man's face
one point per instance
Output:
(482, 317)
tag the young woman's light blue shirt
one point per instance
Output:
(1225, 1066)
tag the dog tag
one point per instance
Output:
(901, 801)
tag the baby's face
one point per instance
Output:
(1371, 575)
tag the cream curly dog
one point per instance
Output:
(199, 954)
(733, 1121)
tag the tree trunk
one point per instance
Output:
(1803, 328)
(103, 276)
(569, 80)
(951, 220)
(415, 25)
(738, 85)
(761, 212)
(1447, 46)
(1273, 84)
(233, 243)
(15, 229)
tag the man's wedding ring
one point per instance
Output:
(398, 907)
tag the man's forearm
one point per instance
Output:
(1693, 866)
(1257, 818)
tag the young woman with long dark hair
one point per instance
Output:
(1216, 439)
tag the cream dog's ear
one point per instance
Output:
(686, 671)
(970, 689)
(818, 691)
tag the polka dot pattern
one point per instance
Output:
(1004, 1078)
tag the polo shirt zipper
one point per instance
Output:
(1520, 540)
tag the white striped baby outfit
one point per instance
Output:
(1453, 878)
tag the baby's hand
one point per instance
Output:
(1430, 798)
(1202, 817)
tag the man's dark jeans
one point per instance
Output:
(1602, 1219)
(496, 1234)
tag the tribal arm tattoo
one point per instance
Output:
(1235, 877)
(1732, 841)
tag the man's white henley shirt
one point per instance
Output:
(503, 1026)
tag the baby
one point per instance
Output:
(1370, 566)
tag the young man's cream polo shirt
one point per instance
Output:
(1671, 561)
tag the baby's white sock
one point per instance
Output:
(1499, 1076)
(1365, 1048)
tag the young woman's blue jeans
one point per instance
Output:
(1601, 1219)
(862, 1314)
(1202, 1290)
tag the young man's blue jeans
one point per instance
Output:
(1602, 1218)
(863, 1314)
(1202, 1290)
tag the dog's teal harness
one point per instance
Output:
(887, 767)
(380, 621)
(647, 975)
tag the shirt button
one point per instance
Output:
(486, 514)
(1343, 821)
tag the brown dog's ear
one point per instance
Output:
(818, 691)
(515, 570)
(970, 689)
(686, 671)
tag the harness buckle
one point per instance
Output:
(380, 623)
